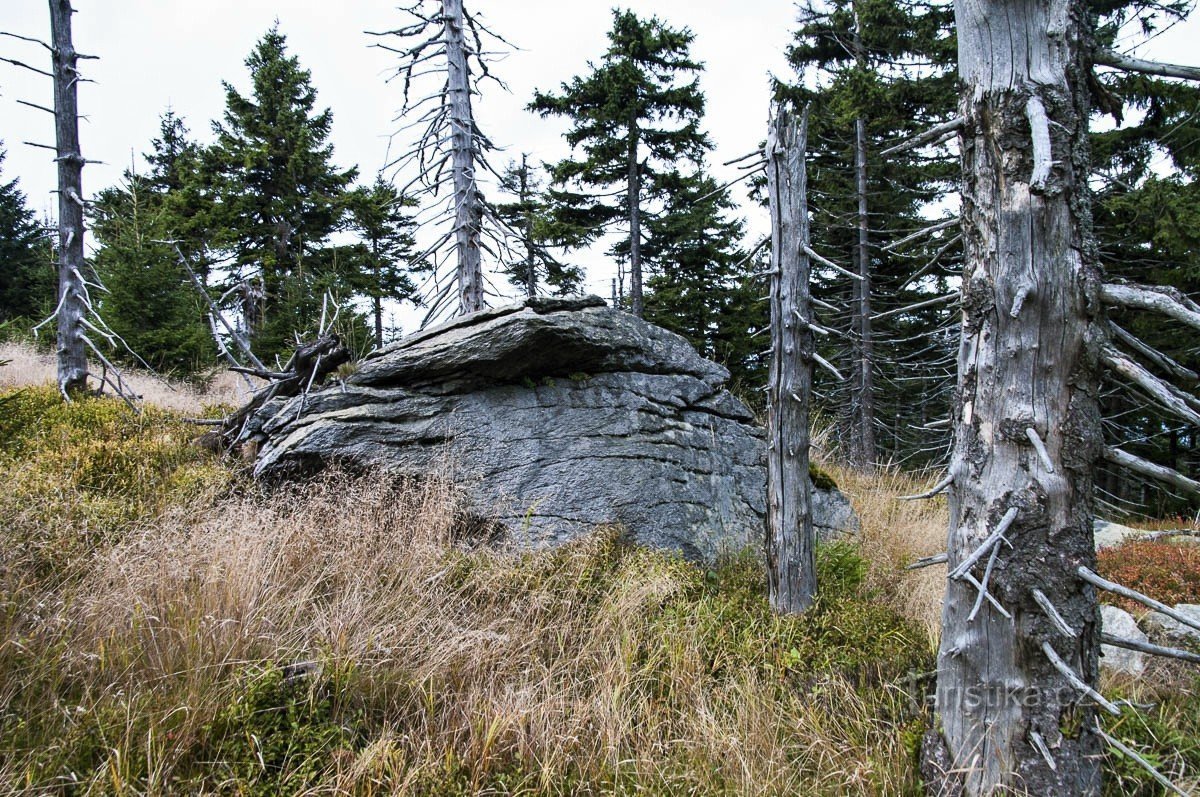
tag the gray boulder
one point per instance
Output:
(1120, 623)
(1167, 629)
(555, 416)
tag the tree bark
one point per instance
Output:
(633, 199)
(863, 452)
(1032, 329)
(468, 215)
(527, 231)
(790, 543)
(72, 293)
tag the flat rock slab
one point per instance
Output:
(556, 416)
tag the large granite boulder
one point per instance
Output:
(556, 416)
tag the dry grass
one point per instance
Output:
(592, 668)
(894, 534)
(27, 366)
(154, 663)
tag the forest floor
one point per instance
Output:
(169, 626)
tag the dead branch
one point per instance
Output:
(808, 250)
(1154, 355)
(1147, 468)
(930, 230)
(933, 134)
(1125, 62)
(1153, 650)
(1167, 301)
(1125, 592)
(1039, 127)
(1076, 681)
(1167, 396)
(1142, 762)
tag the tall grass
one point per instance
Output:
(167, 626)
(348, 635)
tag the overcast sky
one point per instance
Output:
(159, 54)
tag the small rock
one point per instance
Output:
(1108, 534)
(1162, 627)
(1119, 622)
(833, 516)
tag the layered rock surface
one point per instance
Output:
(555, 416)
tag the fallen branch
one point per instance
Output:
(1143, 763)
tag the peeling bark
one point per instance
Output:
(1028, 360)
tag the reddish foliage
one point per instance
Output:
(1166, 571)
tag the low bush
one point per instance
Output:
(1166, 571)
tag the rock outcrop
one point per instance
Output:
(556, 416)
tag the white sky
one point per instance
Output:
(157, 54)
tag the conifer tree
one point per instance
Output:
(633, 118)
(531, 218)
(148, 301)
(27, 275)
(379, 214)
(279, 196)
(873, 71)
(699, 278)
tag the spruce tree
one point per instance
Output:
(27, 275)
(633, 118)
(380, 217)
(149, 302)
(874, 72)
(699, 281)
(278, 195)
(531, 218)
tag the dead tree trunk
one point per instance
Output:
(633, 200)
(790, 544)
(72, 292)
(863, 452)
(468, 216)
(1019, 630)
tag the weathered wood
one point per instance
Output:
(1161, 300)
(72, 306)
(790, 543)
(633, 206)
(468, 206)
(1118, 61)
(1029, 297)
(310, 365)
(1147, 468)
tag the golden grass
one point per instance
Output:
(28, 366)
(894, 534)
(150, 658)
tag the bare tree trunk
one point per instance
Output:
(863, 450)
(1021, 517)
(530, 261)
(633, 201)
(790, 544)
(72, 293)
(378, 299)
(468, 209)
